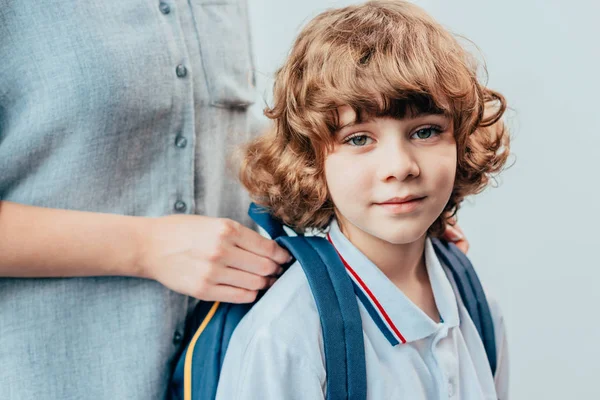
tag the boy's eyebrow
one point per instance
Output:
(355, 122)
(413, 115)
(348, 125)
(422, 113)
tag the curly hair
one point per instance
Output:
(384, 58)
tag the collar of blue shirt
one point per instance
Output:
(398, 318)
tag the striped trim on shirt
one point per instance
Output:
(372, 305)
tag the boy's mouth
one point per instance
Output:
(399, 205)
(405, 199)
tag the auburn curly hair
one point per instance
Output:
(384, 58)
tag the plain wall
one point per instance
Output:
(534, 238)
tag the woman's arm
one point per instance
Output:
(45, 242)
(208, 258)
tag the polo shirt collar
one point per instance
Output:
(398, 318)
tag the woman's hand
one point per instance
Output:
(455, 235)
(209, 258)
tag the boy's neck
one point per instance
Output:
(403, 264)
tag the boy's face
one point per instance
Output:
(390, 179)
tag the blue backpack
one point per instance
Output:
(196, 375)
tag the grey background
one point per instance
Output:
(534, 238)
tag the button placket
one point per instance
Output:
(182, 197)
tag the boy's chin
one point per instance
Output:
(393, 232)
(402, 236)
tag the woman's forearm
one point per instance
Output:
(214, 259)
(45, 242)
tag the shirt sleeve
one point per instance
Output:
(501, 379)
(267, 368)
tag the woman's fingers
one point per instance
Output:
(243, 280)
(455, 234)
(249, 262)
(253, 242)
(229, 294)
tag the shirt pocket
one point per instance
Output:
(224, 35)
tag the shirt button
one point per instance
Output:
(180, 142)
(451, 388)
(180, 206)
(177, 338)
(181, 71)
(164, 8)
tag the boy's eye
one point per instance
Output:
(359, 140)
(426, 133)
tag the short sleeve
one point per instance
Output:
(267, 368)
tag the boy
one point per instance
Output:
(380, 131)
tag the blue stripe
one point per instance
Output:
(383, 327)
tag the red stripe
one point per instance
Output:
(371, 295)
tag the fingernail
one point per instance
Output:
(272, 281)
(455, 236)
(290, 258)
(279, 271)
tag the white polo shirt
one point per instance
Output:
(276, 352)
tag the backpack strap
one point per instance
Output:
(332, 290)
(263, 218)
(472, 295)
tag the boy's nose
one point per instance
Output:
(398, 163)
